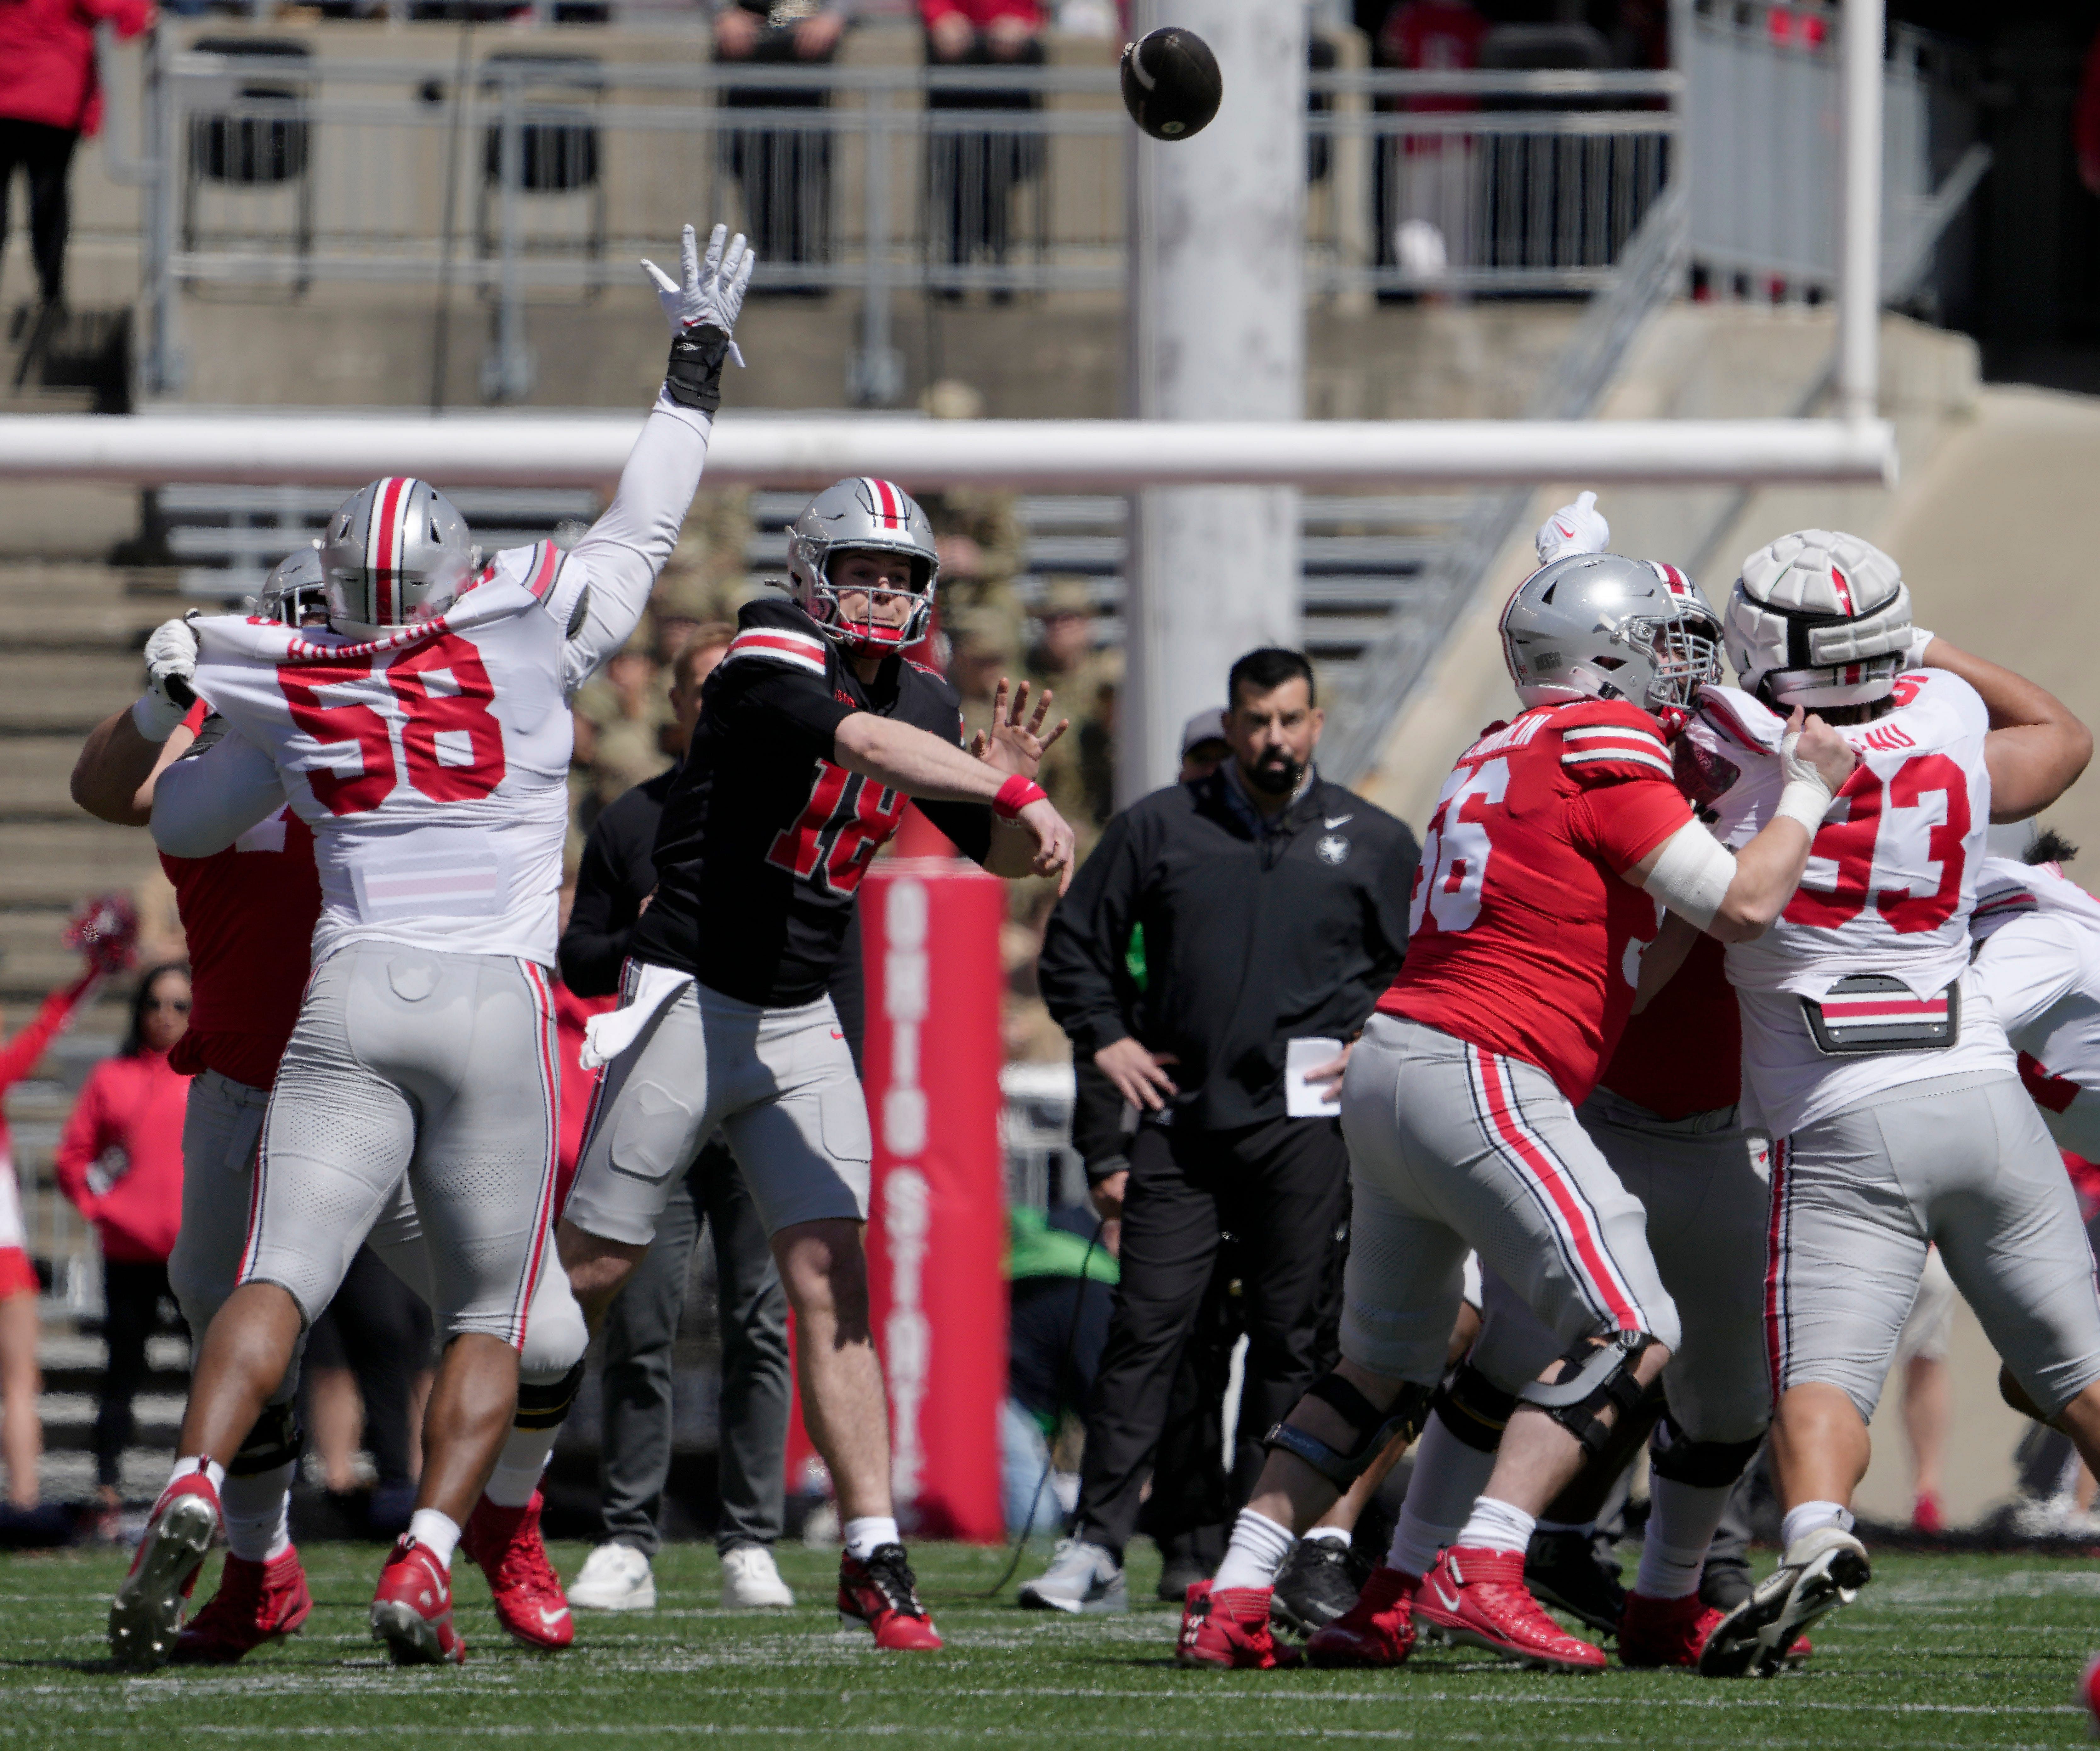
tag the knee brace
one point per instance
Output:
(273, 1441)
(1473, 1407)
(1375, 1430)
(546, 1407)
(1593, 1377)
(1704, 1465)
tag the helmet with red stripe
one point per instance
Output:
(397, 552)
(865, 516)
(1597, 626)
(1819, 619)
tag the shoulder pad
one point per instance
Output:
(1748, 722)
(1602, 741)
(533, 569)
(778, 632)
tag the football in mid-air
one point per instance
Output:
(1171, 83)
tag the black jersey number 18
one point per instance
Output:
(845, 823)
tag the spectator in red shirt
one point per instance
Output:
(48, 99)
(21, 1434)
(974, 175)
(120, 1159)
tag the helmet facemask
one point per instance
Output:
(1686, 653)
(868, 635)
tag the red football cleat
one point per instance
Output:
(1478, 1596)
(1655, 1632)
(1926, 1515)
(256, 1603)
(1377, 1630)
(2088, 1693)
(883, 1594)
(411, 1612)
(527, 1592)
(1230, 1629)
(147, 1611)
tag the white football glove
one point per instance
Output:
(171, 657)
(713, 289)
(1577, 528)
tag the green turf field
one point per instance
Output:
(1940, 1651)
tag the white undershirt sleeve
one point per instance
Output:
(2029, 965)
(621, 554)
(201, 804)
(1692, 875)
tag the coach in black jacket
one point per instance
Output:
(1272, 906)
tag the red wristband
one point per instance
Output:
(1016, 795)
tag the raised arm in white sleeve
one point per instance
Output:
(618, 557)
(626, 548)
(203, 804)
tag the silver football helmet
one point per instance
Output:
(1596, 626)
(294, 589)
(863, 515)
(1818, 619)
(397, 552)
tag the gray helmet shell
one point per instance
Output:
(1818, 619)
(294, 589)
(397, 552)
(861, 515)
(1598, 626)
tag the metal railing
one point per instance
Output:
(527, 175)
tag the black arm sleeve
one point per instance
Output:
(600, 922)
(1081, 972)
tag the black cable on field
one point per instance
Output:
(1049, 1459)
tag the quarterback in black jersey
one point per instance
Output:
(813, 731)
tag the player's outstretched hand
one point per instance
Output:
(1055, 844)
(1812, 749)
(1577, 528)
(1016, 742)
(710, 291)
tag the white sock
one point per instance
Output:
(1681, 1520)
(1328, 1535)
(1447, 1478)
(1808, 1518)
(257, 1509)
(437, 1533)
(518, 1465)
(1497, 1526)
(864, 1537)
(192, 1462)
(1258, 1549)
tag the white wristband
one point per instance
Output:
(1804, 800)
(155, 717)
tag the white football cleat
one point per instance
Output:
(614, 1578)
(752, 1582)
(1083, 1579)
(1819, 1571)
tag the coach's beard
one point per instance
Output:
(1276, 773)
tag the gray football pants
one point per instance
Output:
(1706, 1185)
(1965, 1161)
(437, 1073)
(639, 1331)
(221, 1127)
(778, 1083)
(1452, 1149)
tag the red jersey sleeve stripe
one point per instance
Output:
(779, 646)
(544, 569)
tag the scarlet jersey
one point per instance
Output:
(1890, 883)
(1525, 938)
(1683, 1054)
(2039, 967)
(248, 915)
